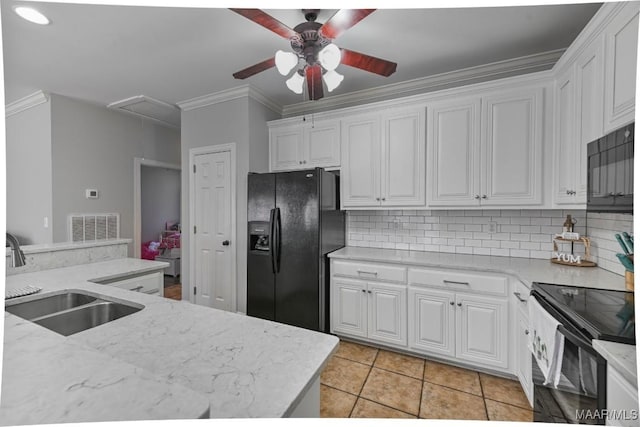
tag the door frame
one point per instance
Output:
(212, 149)
(138, 162)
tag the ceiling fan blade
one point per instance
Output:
(267, 21)
(342, 20)
(314, 82)
(368, 63)
(255, 69)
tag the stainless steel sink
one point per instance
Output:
(83, 318)
(70, 312)
(48, 305)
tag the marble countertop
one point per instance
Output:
(622, 357)
(65, 246)
(524, 269)
(243, 366)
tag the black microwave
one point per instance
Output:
(610, 172)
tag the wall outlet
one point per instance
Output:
(493, 227)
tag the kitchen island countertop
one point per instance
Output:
(241, 366)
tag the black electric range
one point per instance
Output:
(602, 314)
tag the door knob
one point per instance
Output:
(225, 243)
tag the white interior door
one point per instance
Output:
(212, 228)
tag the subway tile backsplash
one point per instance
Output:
(515, 233)
(602, 228)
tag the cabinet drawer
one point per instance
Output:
(148, 283)
(474, 282)
(368, 271)
(521, 292)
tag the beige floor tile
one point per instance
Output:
(344, 375)
(453, 377)
(368, 409)
(357, 352)
(394, 390)
(502, 412)
(400, 363)
(440, 402)
(504, 390)
(335, 403)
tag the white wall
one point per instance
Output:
(28, 162)
(94, 147)
(159, 200)
(28, 146)
(243, 122)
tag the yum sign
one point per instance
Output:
(570, 258)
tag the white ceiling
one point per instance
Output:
(107, 53)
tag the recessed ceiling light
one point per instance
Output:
(31, 15)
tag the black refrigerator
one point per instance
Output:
(294, 221)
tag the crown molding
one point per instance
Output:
(25, 103)
(495, 70)
(592, 30)
(227, 95)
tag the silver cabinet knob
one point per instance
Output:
(378, 198)
(383, 199)
(526, 332)
(484, 196)
(477, 196)
(304, 162)
(459, 304)
(364, 290)
(225, 243)
(620, 194)
(369, 291)
(452, 303)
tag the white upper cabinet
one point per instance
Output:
(621, 38)
(360, 173)
(453, 141)
(302, 146)
(486, 150)
(579, 99)
(383, 159)
(511, 148)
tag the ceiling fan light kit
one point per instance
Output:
(315, 57)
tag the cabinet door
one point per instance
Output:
(621, 38)
(349, 307)
(453, 153)
(321, 147)
(432, 321)
(360, 171)
(285, 148)
(388, 313)
(523, 357)
(589, 100)
(403, 159)
(481, 327)
(565, 140)
(511, 166)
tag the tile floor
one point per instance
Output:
(366, 382)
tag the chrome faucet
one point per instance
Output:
(17, 256)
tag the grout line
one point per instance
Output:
(484, 399)
(424, 372)
(365, 381)
(354, 361)
(336, 388)
(391, 407)
(510, 404)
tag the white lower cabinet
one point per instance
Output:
(622, 399)
(459, 316)
(523, 362)
(470, 328)
(372, 310)
(148, 283)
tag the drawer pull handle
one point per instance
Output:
(375, 273)
(137, 288)
(453, 282)
(517, 294)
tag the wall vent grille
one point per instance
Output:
(92, 227)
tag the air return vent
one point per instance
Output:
(149, 108)
(92, 227)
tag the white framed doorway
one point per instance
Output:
(138, 162)
(212, 226)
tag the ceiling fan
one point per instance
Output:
(314, 57)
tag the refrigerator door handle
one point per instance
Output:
(272, 246)
(278, 237)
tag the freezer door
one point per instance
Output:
(260, 246)
(297, 290)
